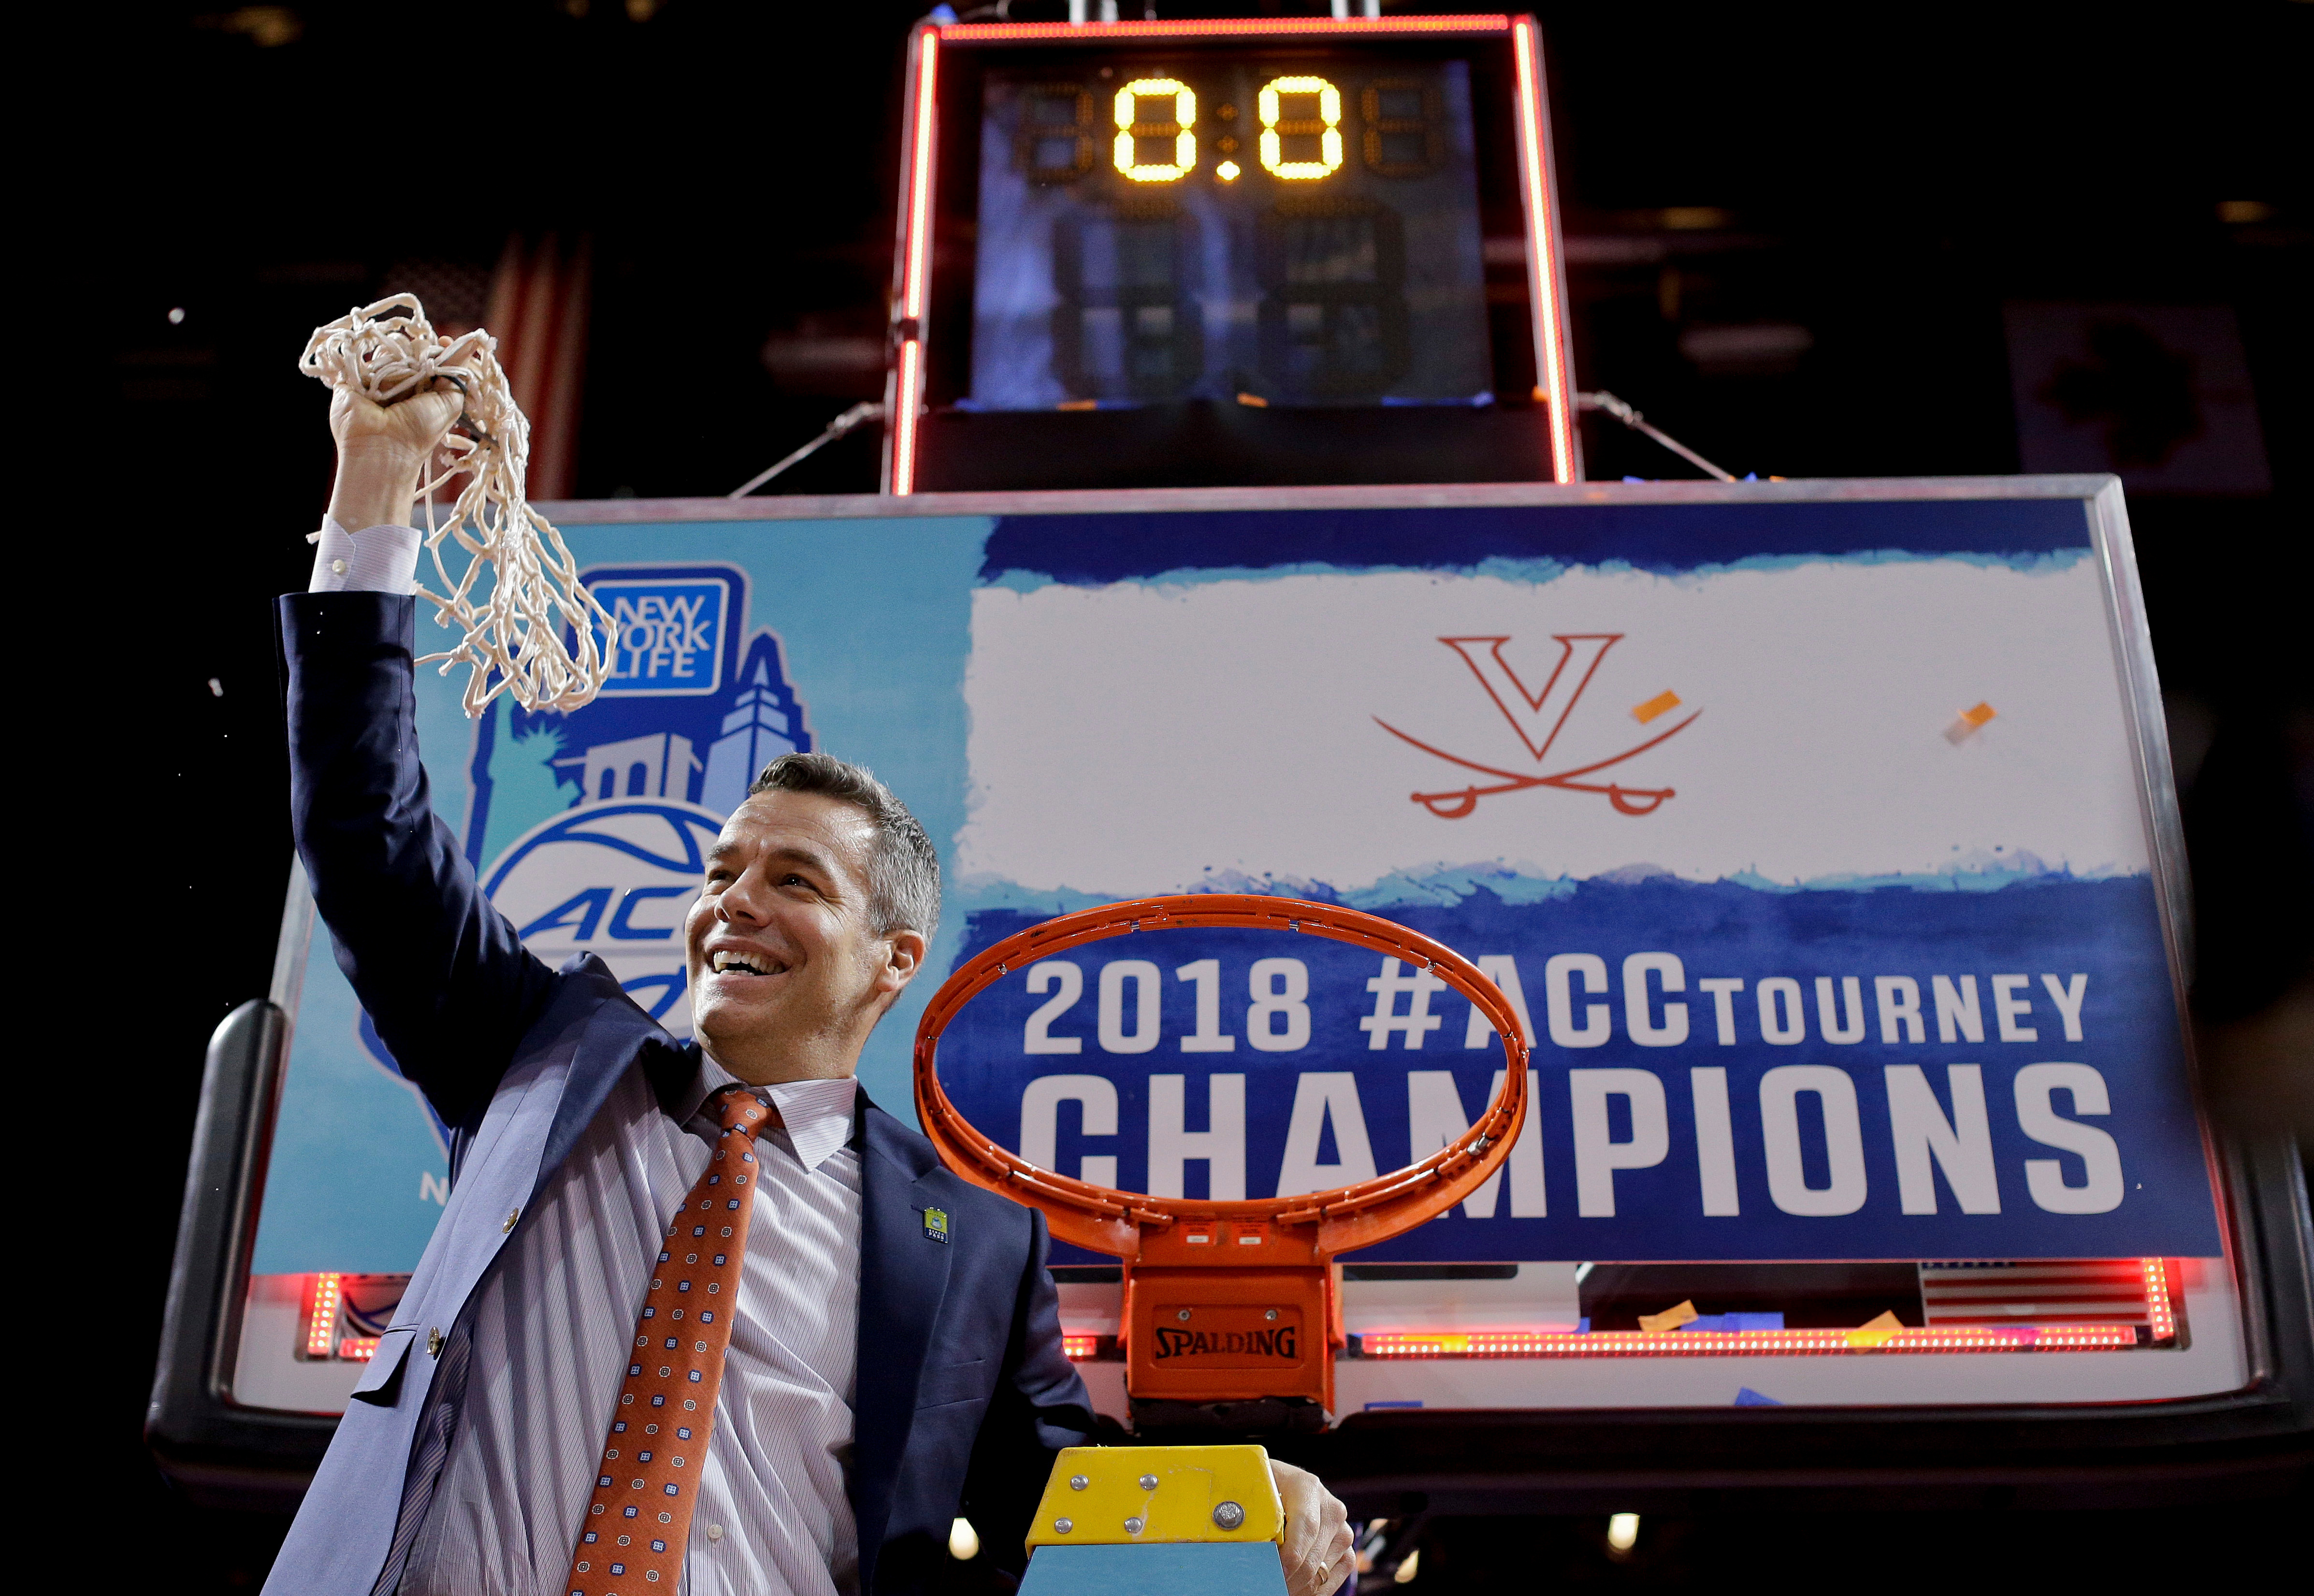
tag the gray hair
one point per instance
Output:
(903, 868)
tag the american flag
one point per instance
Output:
(2074, 1292)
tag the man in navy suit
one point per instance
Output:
(894, 1359)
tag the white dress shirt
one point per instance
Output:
(375, 559)
(551, 1327)
(549, 1342)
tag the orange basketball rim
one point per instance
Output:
(1229, 1301)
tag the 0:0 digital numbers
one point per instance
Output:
(1157, 119)
(1277, 128)
(1178, 127)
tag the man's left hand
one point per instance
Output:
(1317, 1548)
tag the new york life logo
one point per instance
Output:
(641, 779)
(1537, 717)
(665, 635)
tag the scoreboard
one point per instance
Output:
(1155, 263)
(1213, 248)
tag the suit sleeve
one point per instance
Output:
(1040, 1405)
(442, 973)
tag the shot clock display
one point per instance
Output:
(1229, 228)
(1227, 251)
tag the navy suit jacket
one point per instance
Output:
(963, 1392)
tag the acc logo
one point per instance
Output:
(614, 879)
(1537, 717)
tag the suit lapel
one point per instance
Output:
(903, 1276)
(616, 1034)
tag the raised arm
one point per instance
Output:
(381, 450)
(448, 982)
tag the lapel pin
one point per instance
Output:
(936, 1224)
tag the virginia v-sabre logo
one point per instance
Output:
(1537, 717)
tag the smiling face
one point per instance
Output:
(789, 973)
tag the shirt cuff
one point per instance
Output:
(376, 559)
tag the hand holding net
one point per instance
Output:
(519, 633)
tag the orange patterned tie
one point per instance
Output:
(638, 1519)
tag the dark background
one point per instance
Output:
(1884, 181)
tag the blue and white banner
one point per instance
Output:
(1807, 838)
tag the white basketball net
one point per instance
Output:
(519, 637)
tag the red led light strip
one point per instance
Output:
(907, 391)
(359, 1349)
(321, 1319)
(1216, 27)
(1542, 274)
(920, 176)
(904, 436)
(1704, 1344)
(2157, 1312)
(1079, 1347)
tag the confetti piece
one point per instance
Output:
(1078, 404)
(1668, 1321)
(1874, 1331)
(1662, 703)
(1746, 1397)
(1965, 723)
(1253, 401)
